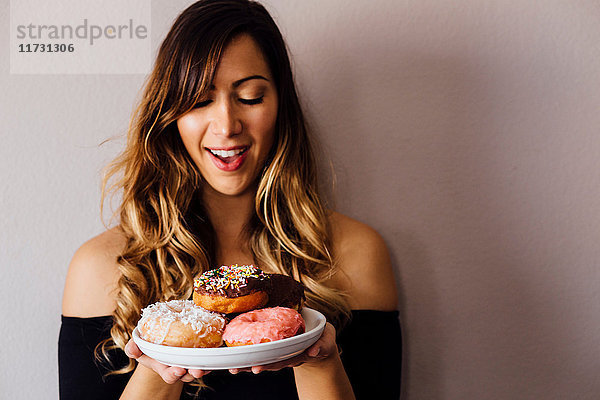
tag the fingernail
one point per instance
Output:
(315, 352)
(179, 373)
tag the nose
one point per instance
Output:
(224, 120)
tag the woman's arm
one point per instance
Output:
(90, 291)
(325, 378)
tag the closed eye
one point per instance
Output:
(250, 102)
(202, 104)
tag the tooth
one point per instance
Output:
(226, 153)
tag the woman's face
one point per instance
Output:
(231, 131)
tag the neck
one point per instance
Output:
(229, 216)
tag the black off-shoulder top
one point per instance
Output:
(371, 351)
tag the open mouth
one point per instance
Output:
(228, 159)
(228, 156)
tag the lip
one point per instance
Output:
(227, 148)
(232, 166)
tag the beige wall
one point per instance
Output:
(465, 131)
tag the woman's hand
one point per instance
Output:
(324, 349)
(169, 374)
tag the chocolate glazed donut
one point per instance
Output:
(285, 291)
(232, 289)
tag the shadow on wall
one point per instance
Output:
(384, 128)
(409, 254)
(418, 142)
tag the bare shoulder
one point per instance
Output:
(93, 275)
(365, 269)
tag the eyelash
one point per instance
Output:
(251, 102)
(248, 102)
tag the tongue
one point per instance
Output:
(228, 160)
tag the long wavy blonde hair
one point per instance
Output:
(169, 236)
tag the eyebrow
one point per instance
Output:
(240, 81)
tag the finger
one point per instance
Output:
(238, 370)
(132, 350)
(275, 366)
(325, 346)
(168, 374)
(329, 330)
(257, 369)
(187, 378)
(172, 374)
(314, 350)
(320, 348)
(329, 333)
(291, 362)
(198, 373)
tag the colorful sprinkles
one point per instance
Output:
(225, 277)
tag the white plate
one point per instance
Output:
(239, 356)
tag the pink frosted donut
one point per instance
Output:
(181, 323)
(264, 325)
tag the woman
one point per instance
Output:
(218, 170)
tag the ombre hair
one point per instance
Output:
(169, 236)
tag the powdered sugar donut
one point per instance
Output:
(264, 325)
(181, 323)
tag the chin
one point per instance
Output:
(230, 190)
